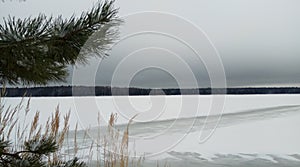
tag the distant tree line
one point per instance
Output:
(109, 91)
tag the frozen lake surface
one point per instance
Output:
(250, 130)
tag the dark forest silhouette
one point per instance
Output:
(108, 91)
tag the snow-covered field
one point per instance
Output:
(251, 130)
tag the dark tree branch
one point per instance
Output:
(38, 50)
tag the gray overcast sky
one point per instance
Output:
(257, 40)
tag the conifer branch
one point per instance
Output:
(38, 50)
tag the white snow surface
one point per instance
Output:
(249, 126)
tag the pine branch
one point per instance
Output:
(38, 50)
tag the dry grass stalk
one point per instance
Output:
(98, 164)
(34, 124)
(75, 140)
(12, 126)
(64, 130)
(116, 153)
(55, 122)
